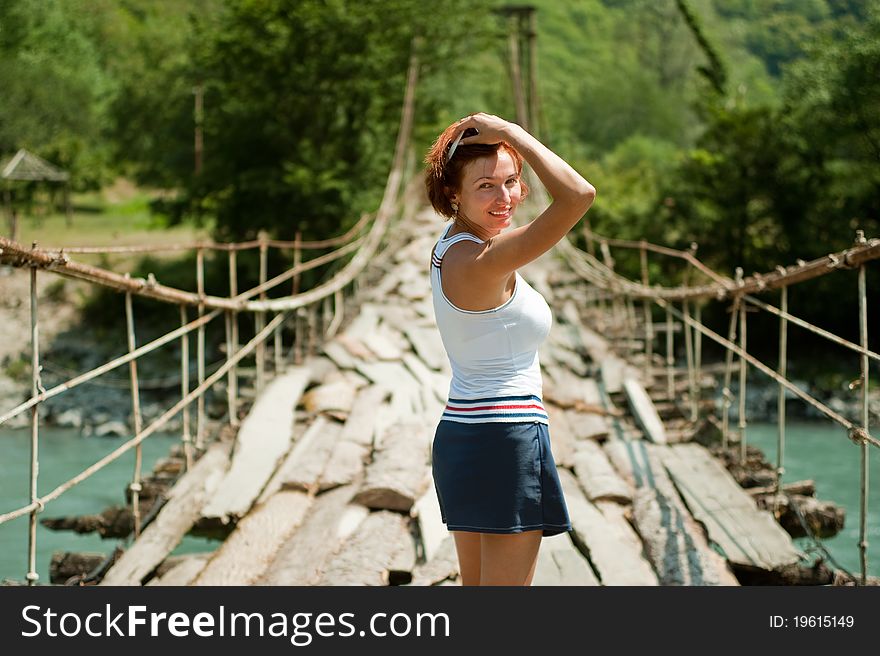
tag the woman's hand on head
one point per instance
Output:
(491, 129)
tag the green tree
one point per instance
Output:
(54, 91)
(302, 105)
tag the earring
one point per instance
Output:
(455, 207)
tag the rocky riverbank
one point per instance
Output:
(69, 347)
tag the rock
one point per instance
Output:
(70, 419)
(112, 429)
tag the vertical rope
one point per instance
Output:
(313, 329)
(588, 236)
(232, 341)
(728, 374)
(200, 347)
(260, 317)
(863, 335)
(325, 316)
(36, 385)
(742, 384)
(338, 313)
(698, 353)
(782, 370)
(135, 486)
(689, 355)
(184, 389)
(649, 324)
(230, 393)
(297, 322)
(670, 358)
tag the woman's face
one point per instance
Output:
(490, 191)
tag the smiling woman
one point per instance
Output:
(493, 466)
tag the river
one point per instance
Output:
(63, 454)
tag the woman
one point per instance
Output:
(494, 473)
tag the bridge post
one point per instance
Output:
(698, 352)
(649, 324)
(200, 347)
(863, 337)
(135, 486)
(36, 385)
(689, 354)
(260, 317)
(670, 355)
(184, 388)
(297, 320)
(742, 380)
(232, 340)
(313, 329)
(728, 368)
(781, 369)
(688, 338)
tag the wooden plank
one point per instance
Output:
(393, 376)
(366, 321)
(588, 425)
(432, 530)
(747, 536)
(344, 465)
(441, 566)
(436, 382)
(674, 543)
(361, 423)
(630, 459)
(615, 556)
(595, 346)
(644, 411)
(355, 347)
(569, 359)
(414, 289)
(621, 533)
(560, 563)
(251, 547)
(164, 533)
(562, 439)
(307, 459)
(426, 342)
(339, 354)
(263, 439)
(392, 313)
(330, 520)
(400, 469)
(381, 545)
(382, 346)
(569, 390)
(183, 572)
(597, 475)
(337, 395)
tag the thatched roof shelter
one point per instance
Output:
(26, 166)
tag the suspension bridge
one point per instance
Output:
(319, 473)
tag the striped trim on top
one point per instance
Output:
(496, 409)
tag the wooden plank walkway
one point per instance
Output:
(332, 485)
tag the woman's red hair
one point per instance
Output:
(442, 177)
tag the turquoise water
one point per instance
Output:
(822, 452)
(63, 454)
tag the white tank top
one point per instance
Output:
(496, 374)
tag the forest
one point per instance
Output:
(750, 127)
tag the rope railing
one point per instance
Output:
(329, 294)
(611, 286)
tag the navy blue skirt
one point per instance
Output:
(498, 478)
